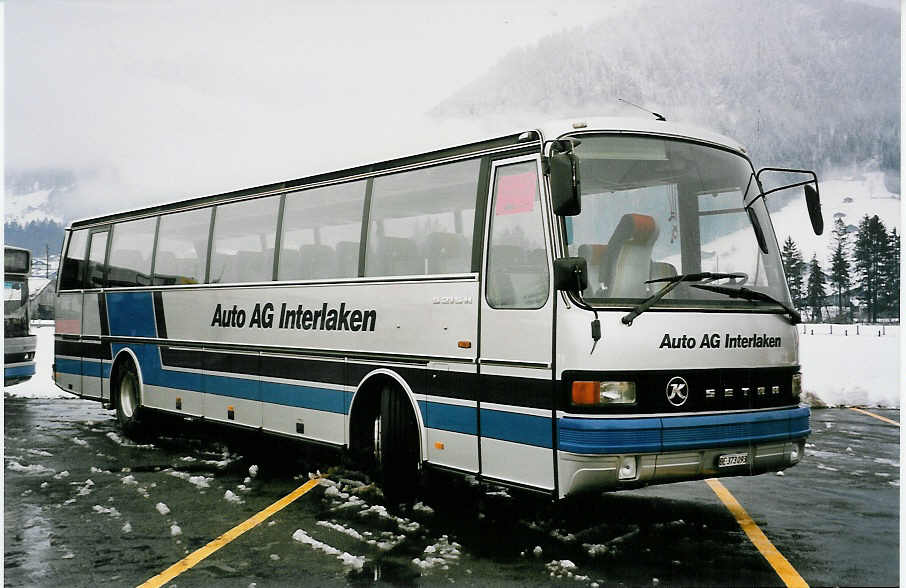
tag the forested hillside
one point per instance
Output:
(812, 83)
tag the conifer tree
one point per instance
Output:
(869, 254)
(793, 267)
(816, 293)
(839, 266)
(890, 275)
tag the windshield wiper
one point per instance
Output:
(749, 294)
(672, 282)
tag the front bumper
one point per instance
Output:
(672, 449)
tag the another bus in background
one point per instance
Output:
(18, 343)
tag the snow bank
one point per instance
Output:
(848, 369)
(41, 384)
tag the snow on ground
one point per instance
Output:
(842, 368)
(353, 561)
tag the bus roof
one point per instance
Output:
(647, 126)
(521, 138)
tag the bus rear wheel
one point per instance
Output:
(396, 446)
(129, 410)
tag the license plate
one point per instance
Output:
(732, 459)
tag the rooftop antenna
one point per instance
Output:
(655, 114)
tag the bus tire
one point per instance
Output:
(129, 411)
(399, 453)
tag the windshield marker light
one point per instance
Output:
(602, 393)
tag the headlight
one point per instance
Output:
(797, 386)
(603, 393)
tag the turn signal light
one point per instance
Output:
(602, 393)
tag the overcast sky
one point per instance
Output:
(156, 101)
(161, 100)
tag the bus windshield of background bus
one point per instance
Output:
(15, 302)
(654, 208)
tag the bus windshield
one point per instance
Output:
(653, 208)
(15, 303)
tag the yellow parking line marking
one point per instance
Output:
(193, 558)
(877, 416)
(780, 564)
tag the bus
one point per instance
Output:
(18, 343)
(588, 305)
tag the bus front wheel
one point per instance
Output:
(397, 436)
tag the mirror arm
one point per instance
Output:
(788, 186)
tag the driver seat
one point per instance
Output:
(629, 256)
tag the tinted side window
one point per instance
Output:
(97, 270)
(321, 232)
(517, 260)
(182, 247)
(421, 221)
(244, 234)
(74, 261)
(130, 253)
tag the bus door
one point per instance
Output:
(95, 351)
(68, 313)
(515, 352)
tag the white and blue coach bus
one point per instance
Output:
(588, 305)
(18, 342)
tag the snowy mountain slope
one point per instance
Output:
(801, 83)
(25, 208)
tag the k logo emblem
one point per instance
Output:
(677, 391)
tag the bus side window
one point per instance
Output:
(97, 253)
(244, 235)
(74, 261)
(130, 253)
(416, 221)
(182, 247)
(321, 232)
(518, 275)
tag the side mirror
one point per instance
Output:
(564, 178)
(813, 202)
(571, 274)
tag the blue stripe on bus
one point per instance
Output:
(19, 371)
(323, 399)
(516, 428)
(92, 368)
(649, 435)
(296, 395)
(68, 366)
(449, 417)
(592, 435)
(131, 314)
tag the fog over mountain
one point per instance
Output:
(800, 83)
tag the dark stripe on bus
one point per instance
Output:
(67, 347)
(102, 312)
(159, 317)
(95, 350)
(506, 390)
(515, 391)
